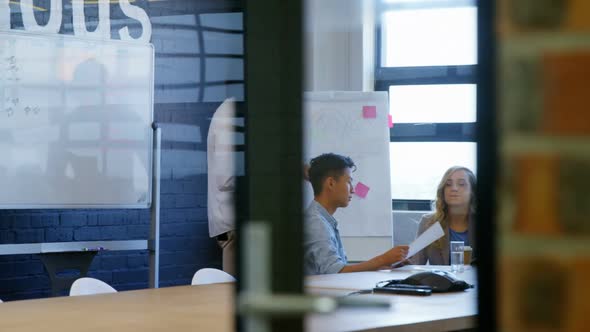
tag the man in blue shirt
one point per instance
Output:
(331, 178)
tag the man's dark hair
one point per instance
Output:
(327, 165)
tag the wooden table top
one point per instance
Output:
(211, 308)
(181, 308)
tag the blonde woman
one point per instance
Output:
(454, 208)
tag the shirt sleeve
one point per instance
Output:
(321, 248)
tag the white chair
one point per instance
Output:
(89, 286)
(211, 276)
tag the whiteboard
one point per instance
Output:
(334, 122)
(75, 122)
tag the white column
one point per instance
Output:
(339, 41)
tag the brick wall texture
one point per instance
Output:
(188, 89)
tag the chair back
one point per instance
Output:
(90, 286)
(211, 276)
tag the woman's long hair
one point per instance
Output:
(440, 207)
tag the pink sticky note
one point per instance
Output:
(389, 121)
(361, 190)
(369, 112)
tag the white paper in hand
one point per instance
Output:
(432, 234)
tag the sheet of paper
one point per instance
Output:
(432, 234)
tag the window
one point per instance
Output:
(429, 36)
(426, 57)
(419, 183)
(432, 103)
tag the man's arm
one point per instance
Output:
(391, 256)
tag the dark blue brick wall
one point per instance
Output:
(185, 244)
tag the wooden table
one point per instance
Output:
(182, 308)
(210, 308)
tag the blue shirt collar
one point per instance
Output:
(322, 210)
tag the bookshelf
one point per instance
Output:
(544, 146)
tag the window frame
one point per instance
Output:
(433, 75)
